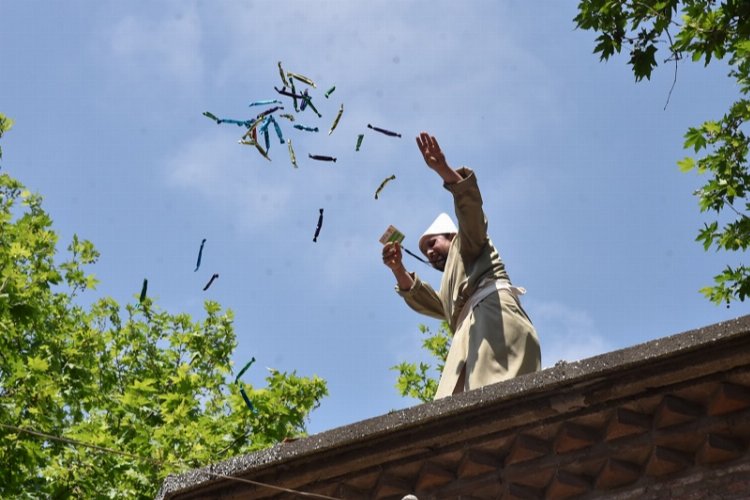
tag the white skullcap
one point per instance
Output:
(443, 224)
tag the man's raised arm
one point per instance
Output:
(467, 199)
(435, 159)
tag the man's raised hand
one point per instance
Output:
(435, 159)
(430, 149)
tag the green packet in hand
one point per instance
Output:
(392, 235)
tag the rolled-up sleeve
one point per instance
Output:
(422, 298)
(472, 224)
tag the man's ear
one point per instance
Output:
(450, 236)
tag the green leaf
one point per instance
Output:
(606, 46)
(37, 364)
(712, 127)
(686, 164)
(743, 46)
(643, 62)
(5, 124)
(694, 138)
(91, 282)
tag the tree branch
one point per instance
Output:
(676, 57)
(726, 202)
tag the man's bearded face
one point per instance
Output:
(436, 249)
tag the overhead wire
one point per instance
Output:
(103, 449)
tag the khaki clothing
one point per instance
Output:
(496, 340)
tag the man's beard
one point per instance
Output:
(439, 264)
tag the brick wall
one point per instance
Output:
(730, 481)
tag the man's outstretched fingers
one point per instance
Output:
(420, 143)
(434, 143)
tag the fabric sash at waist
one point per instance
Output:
(486, 288)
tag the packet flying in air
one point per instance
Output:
(392, 235)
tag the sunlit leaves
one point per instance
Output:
(139, 380)
(694, 139)
(686, 164)
(731, 284)
(37, 364)
(416, 380)
(5, 125)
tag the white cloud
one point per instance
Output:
(565, 333)
(425, 67)
(217, 169)
(168, 47)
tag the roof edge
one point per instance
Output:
(561, 375)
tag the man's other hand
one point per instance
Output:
(392, 255)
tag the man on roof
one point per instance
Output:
(493, 338)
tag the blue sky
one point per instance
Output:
(576, 163)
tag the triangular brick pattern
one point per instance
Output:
(648, 422)
(595, 451)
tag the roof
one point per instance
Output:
(602, 424)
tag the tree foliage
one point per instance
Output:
(5, 125)
(701, 30)
(416, 380)
(138, 380)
